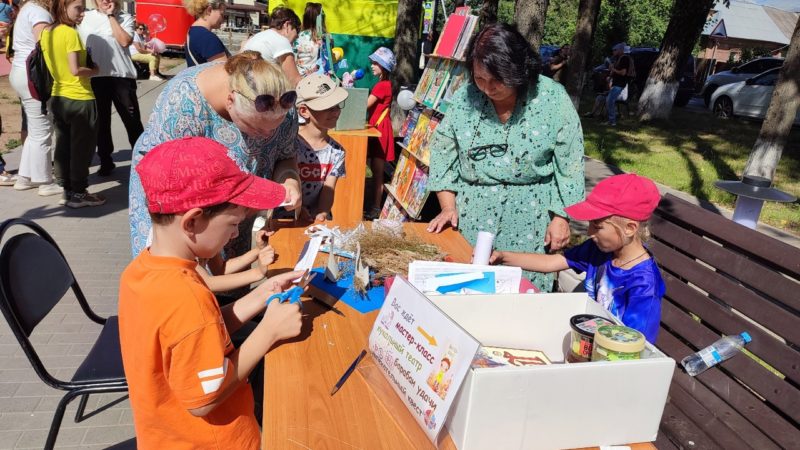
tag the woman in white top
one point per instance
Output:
(275, 44)
(107, 32)
(35, 166)
(141, 52)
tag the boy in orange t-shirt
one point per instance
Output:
(188, 384)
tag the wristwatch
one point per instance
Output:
(110, 15)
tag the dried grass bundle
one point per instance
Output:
(388, 254)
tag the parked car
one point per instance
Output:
(738, 73)
(748, 98)
(645, 57)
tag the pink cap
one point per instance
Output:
(627, 195)
(196, 172)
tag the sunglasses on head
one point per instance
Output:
(266, 102)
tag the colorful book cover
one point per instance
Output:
(392, 210)
(439, 82)
(466, 36)
(457, 79)
(417, 193)
(420, 130)
(410, 123)
(499, 357)
(427, 78)
(404, 179)
(398, 167)
(450, 35)
(424, 151)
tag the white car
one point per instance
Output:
(738, 73)
(748, 98)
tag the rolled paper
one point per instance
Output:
(483, 248)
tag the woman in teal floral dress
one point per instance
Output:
(508, 156)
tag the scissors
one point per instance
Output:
(293, 295)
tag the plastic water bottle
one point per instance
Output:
(722, 350)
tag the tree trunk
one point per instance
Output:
(685, 25)
(530, 15)
(406, 48)
(581, 48)
(777, 124)
(488, 12)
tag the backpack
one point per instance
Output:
(40, 80)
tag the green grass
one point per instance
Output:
(13, 143)
(691, 151)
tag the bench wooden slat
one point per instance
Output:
(747, 432)
(739, 397)
(663, 442)
(706, 420)
(764, 345)
(740, 267)
(779, 393)
(749, 303)
(782, 256)
(680, 428)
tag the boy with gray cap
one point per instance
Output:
(620, 73)
(319, 157)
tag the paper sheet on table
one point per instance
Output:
(506, 278)
(309, 254)
(462, 283)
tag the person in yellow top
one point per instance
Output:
(72, 103)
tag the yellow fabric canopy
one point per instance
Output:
(372, 18)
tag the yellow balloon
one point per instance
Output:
(338, 54)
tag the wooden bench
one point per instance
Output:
(722, 279)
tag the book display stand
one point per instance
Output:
(444, 74)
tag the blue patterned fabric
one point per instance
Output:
(633, 295)
(180, 111)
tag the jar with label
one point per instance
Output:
(583, 329)
(617, 343)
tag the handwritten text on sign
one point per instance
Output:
(423, 353)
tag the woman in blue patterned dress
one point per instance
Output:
(508, 156)
(245, 103)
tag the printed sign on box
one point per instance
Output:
(422, 352)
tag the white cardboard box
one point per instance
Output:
(554, 406)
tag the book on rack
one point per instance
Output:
(500, 357)
(424, 150)
(439, 84)
(466, 36)
(427, 78)
(417, 192)
(457, 79)
(448, 41)
(392, 210)
(419, 131)
(410, 123)
(404, 175)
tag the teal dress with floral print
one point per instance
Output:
(510, 178)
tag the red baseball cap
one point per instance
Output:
(627, 195)
(196, 172)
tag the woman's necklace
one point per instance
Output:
(631, 260)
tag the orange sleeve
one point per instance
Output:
(198, 366)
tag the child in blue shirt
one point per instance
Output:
(621, 273)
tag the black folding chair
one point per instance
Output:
(34, 277)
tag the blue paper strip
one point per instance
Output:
(343, 290)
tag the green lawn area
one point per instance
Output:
(691, 151)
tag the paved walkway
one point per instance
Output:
(95, 242)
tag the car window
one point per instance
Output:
(772, 63)
(767, 79)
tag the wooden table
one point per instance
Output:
(348, 203)
(299, 412)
